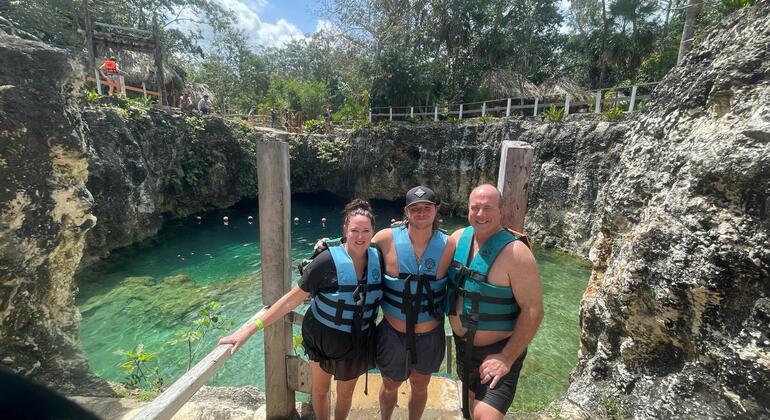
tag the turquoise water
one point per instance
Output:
(145, 293)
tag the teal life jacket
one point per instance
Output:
(353, 306)
(485, 306)
(423, 299)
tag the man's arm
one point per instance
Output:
(446, 257)
(521, 269)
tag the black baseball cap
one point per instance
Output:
(421, 194)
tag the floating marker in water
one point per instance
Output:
(226, 220)
(296, 220)
(250, 219)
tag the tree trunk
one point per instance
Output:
(604, 56)
(691, 16)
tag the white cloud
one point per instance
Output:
(259, 32)
(277, 34)
(325, 25)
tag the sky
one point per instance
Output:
(274, 23)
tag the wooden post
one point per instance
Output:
(411, 112)
(461, 112)
(98, 81)
(159, 60)
(390, 113)
(122, 86)
(274, 235)
(483, 109)
(566, 105)
(513, 182)
(370, 115)
(144, 90)
(534, 114)
(435, 113)
(598, 104)
(633, 99)
(508, 108)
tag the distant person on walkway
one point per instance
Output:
(250, 116)
(289, 127)
(273, 116)
(186, 103)
(204, 106)
(495, 306)
(111, 71)
(345, 283)
(327, 121)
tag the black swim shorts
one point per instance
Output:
(335, 350)
(501, 397)
(393, 359)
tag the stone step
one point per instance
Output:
(443, 400)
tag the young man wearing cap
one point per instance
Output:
(495, 306)
(410, 338)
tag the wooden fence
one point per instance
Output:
(630, 95)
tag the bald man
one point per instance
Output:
(495, 306)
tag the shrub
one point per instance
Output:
(314, 126)
(612, 113)
(485, 119)
(553, 114)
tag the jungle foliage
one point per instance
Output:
(400, 53)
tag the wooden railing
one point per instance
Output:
(123, 87)
(527, 106)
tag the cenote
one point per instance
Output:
(146, 293)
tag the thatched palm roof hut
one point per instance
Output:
(508, 84)
(561, 86)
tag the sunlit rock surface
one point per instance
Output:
(45, 212)
(675, 319)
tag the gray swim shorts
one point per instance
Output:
(393, 359)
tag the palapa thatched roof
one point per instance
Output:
(508, 84)
(560, 86)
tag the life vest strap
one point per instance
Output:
(338, 320)
(368, 287)
(466, 273)
(345, 306)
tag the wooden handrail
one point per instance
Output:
(174, 397)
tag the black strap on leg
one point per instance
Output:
(470, 335)
(410, 309)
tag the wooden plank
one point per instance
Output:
(165, 405)
(513, 182)
(274, 235)
(298, 374)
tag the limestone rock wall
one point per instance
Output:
(149, 165)
(45, 212)
(675, 319)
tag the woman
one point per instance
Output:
(345, 284)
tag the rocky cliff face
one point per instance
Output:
(573, 160)
(147, 165)
(675, 319)
(45, 212)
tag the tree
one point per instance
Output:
(688, 32)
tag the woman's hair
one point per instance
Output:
(357, 207)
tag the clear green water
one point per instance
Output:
(147, 292)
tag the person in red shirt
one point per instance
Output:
(111, 72)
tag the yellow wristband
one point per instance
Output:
(260, 325)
